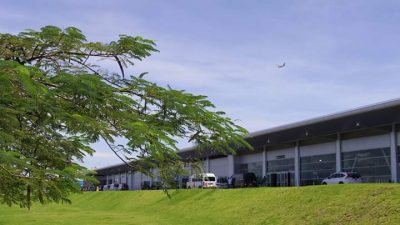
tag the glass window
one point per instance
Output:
(255, 167)
(313, 169)
(373, 164)
(241, 168)
(398, 164)
(354, 175)
(281, 165)
(209, 178)
(222, 180)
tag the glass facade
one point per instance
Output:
(313, 169)
(255, 167)
(372, 164)
(280, 165)
(398, 164)
(280, 173)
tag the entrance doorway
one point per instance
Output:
(281, 179)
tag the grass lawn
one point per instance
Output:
(336, 204)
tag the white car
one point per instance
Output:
(106, 187)
(204, 180)
(343, 178)
(113, 187)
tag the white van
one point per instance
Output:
(204, 180)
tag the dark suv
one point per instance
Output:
(250, 180)
(245, 180)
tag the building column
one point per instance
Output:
(231, 165)
(190, 169)
(133, 180)
(180, 182)
(151, 177)
(141, 180)
(393, 154)
(264, 162)
(107, 180)
(207, 169)
(338, 153)
(131, 173)
(297, 164)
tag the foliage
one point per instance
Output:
(55, 100)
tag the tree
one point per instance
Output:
(55, 101)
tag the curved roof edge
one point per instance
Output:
(358, 110)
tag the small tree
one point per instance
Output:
(55, 100)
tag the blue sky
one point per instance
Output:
(339, 54)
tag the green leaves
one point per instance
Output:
(55, 102)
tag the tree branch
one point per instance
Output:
(115, 152)
(15, 175)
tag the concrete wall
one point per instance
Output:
(250, 158)
(145, 178)
(318, 149)
(156, 173)
(129, 180)
(371, 142)
(137, 181)
(124, 178)
(288, 152)
(219, 166)
(115, 178)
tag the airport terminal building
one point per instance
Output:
(364, 140)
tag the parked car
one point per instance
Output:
(123, 187)
(113, 187)
(343, 178)
(156, 185)
(204, 180)
(245, 180)
(222, 182)
(250, 180)
(106, 187)
(89, 188)
(146, 185)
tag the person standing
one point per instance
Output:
(230, 181)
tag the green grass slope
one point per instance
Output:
(336, 204)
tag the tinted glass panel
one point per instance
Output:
(255, 167)
(222, 180)
(280, 165)
(209, 178)
(354, 175)
(241, 168)
(398, 164)
(373, 164)
(316, 168)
